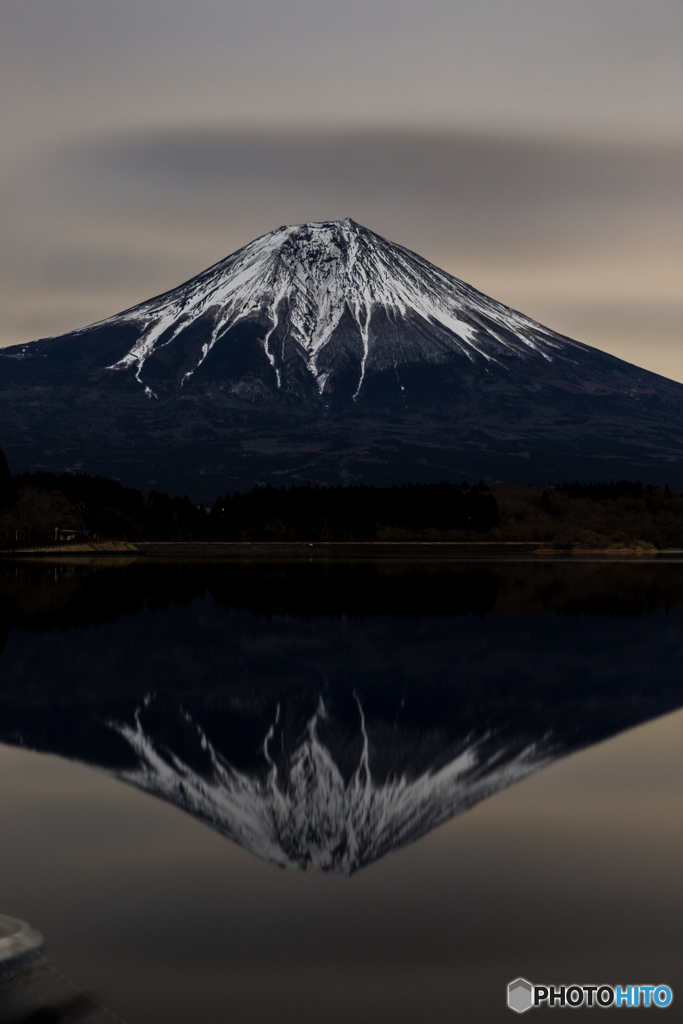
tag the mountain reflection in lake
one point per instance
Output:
(322, 715)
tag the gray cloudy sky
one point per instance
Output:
(531, 147)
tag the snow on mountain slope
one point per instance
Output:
(302, 279)
(323, 353)
(306, 816)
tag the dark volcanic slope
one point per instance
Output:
(323, 352)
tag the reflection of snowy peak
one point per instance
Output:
(310, 284)
(314, 713)
(301, 812)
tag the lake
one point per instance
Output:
(306, 791)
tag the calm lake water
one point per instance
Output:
(322, 792)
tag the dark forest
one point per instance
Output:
(46, 509)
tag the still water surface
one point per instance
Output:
(381, 755)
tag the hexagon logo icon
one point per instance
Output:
(520, 995)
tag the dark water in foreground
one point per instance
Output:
(331, 723)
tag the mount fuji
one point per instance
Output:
(323, 352)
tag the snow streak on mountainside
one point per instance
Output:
(298, 282)
(305, 815)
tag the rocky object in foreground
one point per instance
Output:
(19, 945)
(322, 352)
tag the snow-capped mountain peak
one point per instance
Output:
(298, 282)
(324, 353)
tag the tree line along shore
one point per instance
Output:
(38, 509)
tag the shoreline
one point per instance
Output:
(263, 551)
